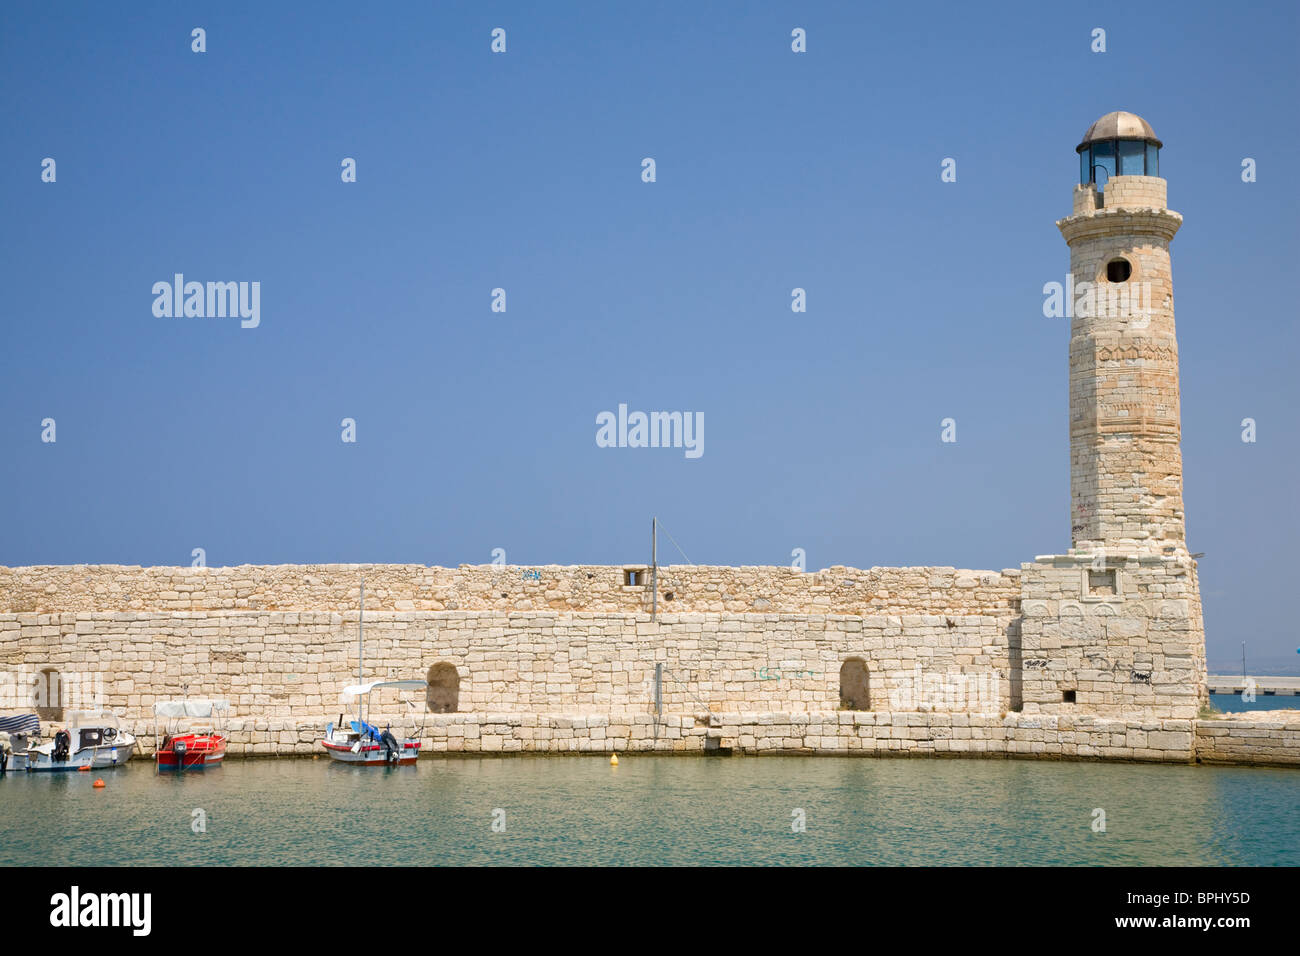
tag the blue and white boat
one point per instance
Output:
(358, 742)
(92, 740)
(361, 743)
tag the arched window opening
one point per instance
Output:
(854, 685)
(443, 694)
(49, 695)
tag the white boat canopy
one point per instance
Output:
(361, 690)
(190, 708)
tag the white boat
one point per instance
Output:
(357, 742)
(17, 734)
(92, 740)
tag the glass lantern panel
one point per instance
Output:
(1131, 157)
(1103, 156)
(1153, 159)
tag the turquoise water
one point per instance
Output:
(656, 810)
(1232, 703)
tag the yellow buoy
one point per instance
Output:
(613, 760)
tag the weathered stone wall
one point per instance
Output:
(404, 587)
(1126, 639)
(945, 678)
(1134, 192)
(281, 664)
(1263, 738)
(931, 639)
(1259, 737)
(562, 658)
(817, 732)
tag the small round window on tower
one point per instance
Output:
(1118, 270)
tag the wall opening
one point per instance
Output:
(49, 695)
(443, 693)
(1101, 583)
(1118, 270)
(855, 685)
(1067, 697)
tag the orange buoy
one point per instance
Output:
(99, 784)
(83, 770)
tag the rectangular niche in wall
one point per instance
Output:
(1102, 584)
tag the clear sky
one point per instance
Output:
(476, 429)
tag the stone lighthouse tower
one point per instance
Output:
(1114, 628)
(1126, 476)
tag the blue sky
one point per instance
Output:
(476, 430)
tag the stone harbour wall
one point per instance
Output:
(52, 589)
(818, 732)
(1066, 657)
(1263, 739)
(279, 664)
(1258, 737)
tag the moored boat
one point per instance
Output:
(358, 742)
(17, 734)
(92, 740)
(193, 735)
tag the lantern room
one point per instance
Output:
(1118, 144)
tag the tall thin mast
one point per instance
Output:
(654, 567)
(361, 649)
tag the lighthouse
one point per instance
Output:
(1126, 475)
(1114, 628)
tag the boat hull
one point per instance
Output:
(100, 757)
(371, 754)
(198, 753)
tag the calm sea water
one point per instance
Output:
(656, 810)
(1232, 703)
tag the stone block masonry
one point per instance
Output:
(826, 733)
(591, 588)
(1046, 660)
(280, 663)
(1258, 737)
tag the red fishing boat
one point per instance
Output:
(192, 732)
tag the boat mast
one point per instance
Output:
(654, 565)
(361, 644)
